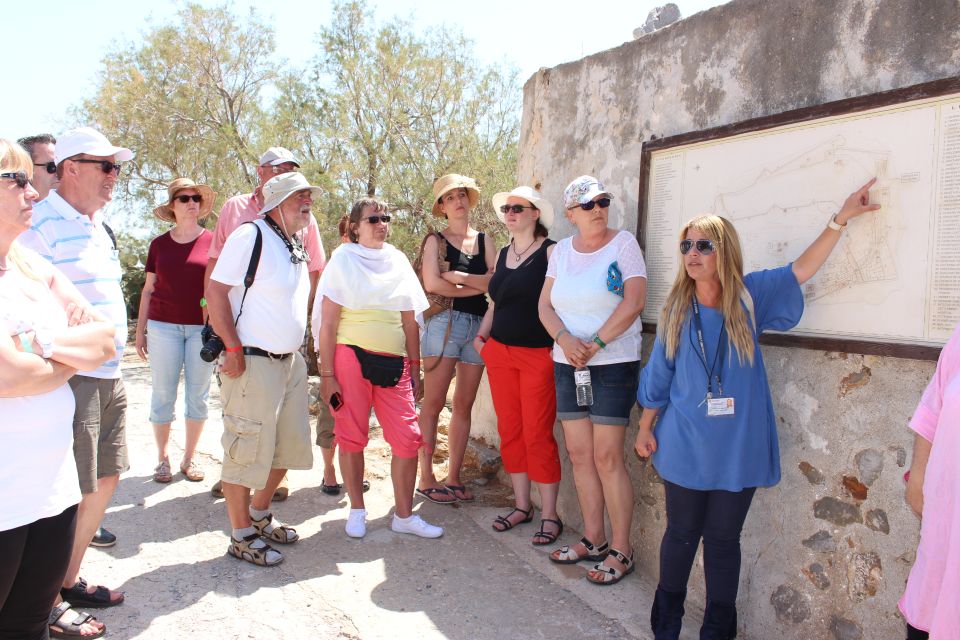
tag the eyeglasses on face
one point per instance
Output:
(603, 203)
(51, 166)
(381, 218)
(107, 166)
(17, 176)
(185, 199)
(514, 208)
(704, 247)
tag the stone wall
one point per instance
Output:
(826, 553)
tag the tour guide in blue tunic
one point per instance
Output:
(717, 429)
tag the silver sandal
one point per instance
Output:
(566, 555)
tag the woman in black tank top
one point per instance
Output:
(447, 344)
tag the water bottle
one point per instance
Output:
(581, 377)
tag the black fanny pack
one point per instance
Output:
(381, 370)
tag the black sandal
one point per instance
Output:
(543, 537)
(504, 521)
(66, 622)
(100, 598)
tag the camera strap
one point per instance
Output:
(252, 267)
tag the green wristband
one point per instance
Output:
(25, 343)
(203, 302)
(601, 343)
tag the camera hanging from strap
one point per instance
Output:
(297, 253)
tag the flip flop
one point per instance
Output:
(459, 492)
(429, 492)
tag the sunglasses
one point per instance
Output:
(375, 219)
(704, 247)
(185, 199)
(107, 166)
(515, 208)
(51, 166)
(603, 203)
(19, 177)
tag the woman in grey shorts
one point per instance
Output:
(447, 344)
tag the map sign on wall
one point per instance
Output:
(894, 277)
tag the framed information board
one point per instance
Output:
(892, 284)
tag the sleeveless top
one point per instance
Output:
(516, 293)
(474, 265)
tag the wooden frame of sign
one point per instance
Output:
(935, 89)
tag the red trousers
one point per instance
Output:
(524, 397)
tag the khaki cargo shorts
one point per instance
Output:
(99, 429)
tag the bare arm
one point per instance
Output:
(483, 331)
(432, 280)
(145, 295)
(329, 323)
(634, 297)
(221, 317)
(88, 341)
(810, 261)
(918, 470)
(411, 334)
(478, 282)
(577, 351)
(28, 374)
(646, 443)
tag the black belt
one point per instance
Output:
(257, 351)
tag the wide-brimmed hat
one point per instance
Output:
(279, 188)
(532, 196)
(207, 195)
(278, 155)
(450, 182)
(89, 141)
(582, 190)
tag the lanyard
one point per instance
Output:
(297, 253)
(721, 347)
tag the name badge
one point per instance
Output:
(719, 407)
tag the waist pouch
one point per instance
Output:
(381, 370)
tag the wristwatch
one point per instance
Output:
(45, 340)
(835, 226)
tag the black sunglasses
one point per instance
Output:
(375, 219)
(185, 199)
(17, 176)
(51, 166)
(106, 166)
(515, 208)
(603, 203)
(704, 247)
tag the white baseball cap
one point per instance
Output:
(277, 155)
(89, 141)
(279, 188)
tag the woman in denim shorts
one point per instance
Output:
(171, 318)
(447, 344)
(595, 288)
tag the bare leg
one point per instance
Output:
(403, 472)
(578, 437)
(468, 380)
(161, 433)
(351, 468)
(329, 471)
(435, 386)
(521, 498)
(548, 499)
(89, 515)
(194, 429)
(261, 497)
(238, 504)
(617, 489)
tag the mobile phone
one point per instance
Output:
(336, 401)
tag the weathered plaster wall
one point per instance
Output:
(827, 552)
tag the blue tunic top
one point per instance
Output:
(721, 452)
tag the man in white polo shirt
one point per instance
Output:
(266, 426)
(68, 230)
(246, 208)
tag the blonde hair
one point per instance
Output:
(14, 158)
(735, 300)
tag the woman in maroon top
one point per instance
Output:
(171, 317)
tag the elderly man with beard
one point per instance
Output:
(263, 375)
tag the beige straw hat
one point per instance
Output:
(450, 182)
(208, 196)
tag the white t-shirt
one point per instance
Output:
(581, 298)
(274, 314)
(38, 477)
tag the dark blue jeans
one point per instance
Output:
(717, 517)
(916, 634)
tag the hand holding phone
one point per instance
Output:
(336, 401)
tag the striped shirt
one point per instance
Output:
(82, 250)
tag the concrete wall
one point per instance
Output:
(827, 552)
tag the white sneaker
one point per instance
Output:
(357, 523)
(417, 526)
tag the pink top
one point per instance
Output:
(244, 208)
(932, 598)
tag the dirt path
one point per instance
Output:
(472, 583)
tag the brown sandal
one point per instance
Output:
(162, 472)
(280, 533)
(192, 471)
(242, 550)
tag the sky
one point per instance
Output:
(63, 58)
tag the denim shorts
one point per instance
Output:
(459, 344)
(174, 348)
(614, 392)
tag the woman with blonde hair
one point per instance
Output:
(468, 258)
(171, 319)
(47, 333)
(716, 437)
